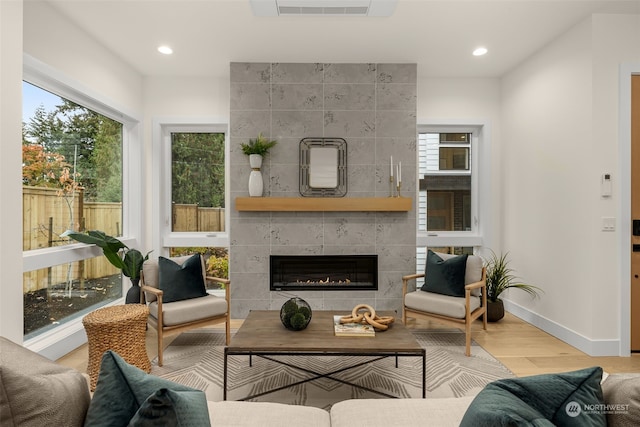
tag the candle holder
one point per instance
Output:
(398, 186)
(391, 193)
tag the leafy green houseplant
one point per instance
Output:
(260, 145)
(501, 277)
(118, 254)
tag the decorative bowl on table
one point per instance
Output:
(295, 314)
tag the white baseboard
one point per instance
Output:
(582, 343)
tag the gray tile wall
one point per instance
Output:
(371, 106)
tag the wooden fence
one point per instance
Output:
(46, 215)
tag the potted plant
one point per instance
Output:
(119, 255)
(500, 277)
(256, 149)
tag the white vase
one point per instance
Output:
(256, 185)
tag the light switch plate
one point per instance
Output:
(608, 223)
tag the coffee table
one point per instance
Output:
(263, 335)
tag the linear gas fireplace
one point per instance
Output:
(323, 272)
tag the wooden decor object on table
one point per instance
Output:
(121, 328)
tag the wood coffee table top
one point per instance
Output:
(262, 331)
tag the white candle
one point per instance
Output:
(391, 167)
(397, 175)
(399, 171)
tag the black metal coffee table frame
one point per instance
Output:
(317, 375)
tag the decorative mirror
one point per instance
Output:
(323, 167)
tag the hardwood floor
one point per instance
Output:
(524, 349)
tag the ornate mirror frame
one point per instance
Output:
(323, 167)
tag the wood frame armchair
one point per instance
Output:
(183, 315)
(448, 309)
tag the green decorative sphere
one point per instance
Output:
(295, 314)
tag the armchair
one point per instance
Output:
(182, 314)
(420, 303)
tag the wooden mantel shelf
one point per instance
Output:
(324, 204)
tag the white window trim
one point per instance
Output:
(480, 235)
(163, 237)
(55, 343)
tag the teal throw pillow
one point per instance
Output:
(121, 390)
(180, 282)
(565, 399)
(445, 276)
(173, 408)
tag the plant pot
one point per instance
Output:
(256, 186)
(133, 294)
(295, 314)
(495, 311)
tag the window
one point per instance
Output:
(80, 171)
(454, 196)
(197, 181)
(445, 181)
(72, 179)
(192, 192)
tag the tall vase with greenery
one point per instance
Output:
(501, 277)
(256, 149)
(119, 255)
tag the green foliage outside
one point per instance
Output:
(86, 144)
(197, 165)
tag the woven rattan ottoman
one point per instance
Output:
(121, 328)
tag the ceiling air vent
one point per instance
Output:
(323, 7)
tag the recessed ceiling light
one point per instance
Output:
(480, 51)
(166, 50)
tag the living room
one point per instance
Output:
(555, 121)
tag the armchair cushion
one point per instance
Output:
(443, 305)
(446, 277)
(181, 281)
(189, 310)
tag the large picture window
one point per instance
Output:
(72, 174)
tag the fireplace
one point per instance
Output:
(323, 272)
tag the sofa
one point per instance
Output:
(35, 391)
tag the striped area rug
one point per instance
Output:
(195, 359)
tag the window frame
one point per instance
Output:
(163, 237)
(53, 343)
(481, 204)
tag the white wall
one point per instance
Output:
(11, 312)
(560, 134)
(58, 42)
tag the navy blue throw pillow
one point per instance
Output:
(180, 282)
(445, 277)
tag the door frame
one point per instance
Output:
(624, 150)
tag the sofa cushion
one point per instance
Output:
(36, 392)
(566, 399)
(121, 390)
(622, 396)
(172, 408)
(266, 414)
(441, 412)
(445, 277)
(181, 281)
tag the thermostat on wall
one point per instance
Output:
(606, 185)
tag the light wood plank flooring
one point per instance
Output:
(524, 349)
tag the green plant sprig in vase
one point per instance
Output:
(260, 145)
(501, 277)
